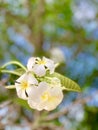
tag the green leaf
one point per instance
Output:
(67, 83)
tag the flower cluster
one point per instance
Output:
(41, 91)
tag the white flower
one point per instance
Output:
(46, 96)
(54, 94)
(39, 67)
(24, 84)
(52, 98)
(41, 96)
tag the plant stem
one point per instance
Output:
(10, 72)
(16, 63)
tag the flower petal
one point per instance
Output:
(21, 94)
(31, 63)
(39, 70)
(20, 91)
(54, 100)
(35, 93)
(34, 105)
(22, 77)
(32, 80)
(50, 64)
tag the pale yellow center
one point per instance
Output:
(47, 97)
(41, 62)
(24, 84)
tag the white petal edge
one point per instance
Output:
(31, 63)
(50, 64)
(39, 70)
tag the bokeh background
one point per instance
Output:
(67, 32)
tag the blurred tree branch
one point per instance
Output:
(34, 21)
(5, 103)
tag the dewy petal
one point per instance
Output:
(39, 70)
(49, 64)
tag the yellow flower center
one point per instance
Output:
(45, 96)
(41, 62)
(24, 85)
